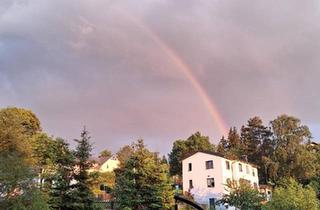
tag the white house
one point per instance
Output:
(205, 175)
(109, 165)
(105, 165)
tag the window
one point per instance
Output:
(240, 167)
(190, 184)
(247, 169)
(210, 182)
(253, 172)
(212, 204)
(190, 167)
(227, 165)
(209, 164)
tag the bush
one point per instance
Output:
(291, 195)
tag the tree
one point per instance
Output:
(234, 145)
(291, 195)
(83, 197)
(123, 154)
(16, 172)
(43, 148)
(195, 143)
(291, 157)
(60, 196)
(98, 179)
(223, 146)
(27, 119)
(105, 154)
(242, 196)
(257, 145)
(143, 182)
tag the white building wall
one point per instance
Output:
(199, 174)
(109, 165)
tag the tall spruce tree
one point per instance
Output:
(82, 195)
(143, 181)
(257, 145)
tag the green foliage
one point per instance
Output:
(32, 199)
(242, 196)
(143, 182)
(291, 157)
(81, 193)
(105, 154)
(16, 173)
(98, 179)
(123, 154)
(257, 145)
(28, 121)
(15, 177)
(232, 146)
(280, 151)
(195, 143)
(60, 180)
(291, 195)
(315, 184)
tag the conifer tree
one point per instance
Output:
(223, 146)
(257, 145)
(60, 189)
(143, 182)
(234, 150)
(82, 195)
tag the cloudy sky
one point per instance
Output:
(145, 68)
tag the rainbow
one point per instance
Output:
(186, 70)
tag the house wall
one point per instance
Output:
(199, 174)
(109, 165)
(237, 175)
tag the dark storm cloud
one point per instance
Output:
(88, 62)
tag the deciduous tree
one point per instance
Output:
(195, 143)
(291, 195)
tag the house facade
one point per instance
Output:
(109, 165)
(205, 176)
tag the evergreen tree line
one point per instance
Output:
(39, 172)
(281, 149)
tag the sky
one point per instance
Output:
(159, 69)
